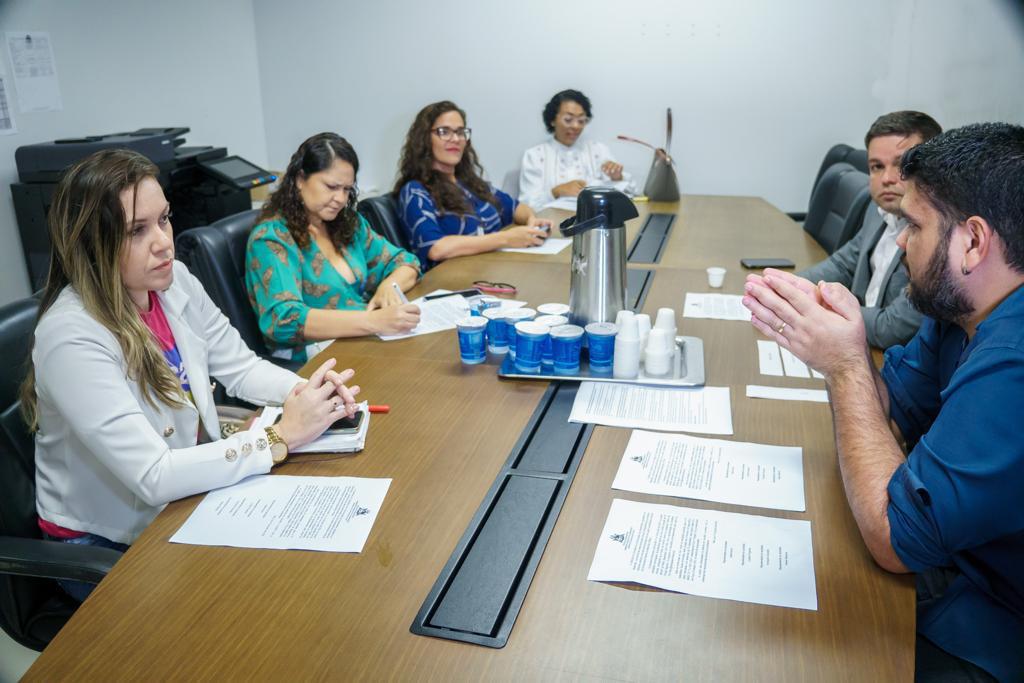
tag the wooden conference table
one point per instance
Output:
(171, 611)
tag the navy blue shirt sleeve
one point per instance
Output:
(960, 485)
(508, 206)
(912, 376)
(419, 218)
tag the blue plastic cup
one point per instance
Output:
(530, 338)
(566, 342)
(553, 309)
(601, 341)
(547, 358)
(513, 316)
(472, 349)
(497, 330)
(479, 304)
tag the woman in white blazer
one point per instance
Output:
(567, 162)
(119, 391)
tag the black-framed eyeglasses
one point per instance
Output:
(446, 133)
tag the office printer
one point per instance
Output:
(203, 184)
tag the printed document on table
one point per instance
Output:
(563, 203)
(711, 469)
(436, 315)
(288, 513)
(787, 394)
(715, 306)
(772, 358)
(710, 553)
(552, 245)
(705, 410)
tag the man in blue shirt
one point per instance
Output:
(951, 508)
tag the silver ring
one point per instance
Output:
(781, 327)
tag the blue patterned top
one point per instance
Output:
(425, 223)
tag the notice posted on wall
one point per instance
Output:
(35, 71)
(288, 513)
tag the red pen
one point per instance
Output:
(380, 409)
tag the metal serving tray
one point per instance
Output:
(688, 371)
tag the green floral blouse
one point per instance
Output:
(284, 282)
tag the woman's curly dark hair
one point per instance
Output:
(316, 154)
(551, 108)
(418, 164)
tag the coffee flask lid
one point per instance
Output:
(599, 207)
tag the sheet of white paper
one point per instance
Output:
(287, 513)
(794, 366)
(712, 469)
(35, 71)
(552, 245)
(7, 126)
(436, 315)
(715, 306)
(564, 203)
(706, 552)
(325, 443)
(769, 358)
(787, 394)
(705, 410)
(816, 374)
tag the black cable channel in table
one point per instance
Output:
(481, 589)
(649, 243)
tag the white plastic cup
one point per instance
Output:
(716, 276)
(658, 354)
(626, 360)
(621, 316)
(643, 325)
(553, 309)
(666, 320)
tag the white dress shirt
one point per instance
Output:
(883, 254)
(551, 163)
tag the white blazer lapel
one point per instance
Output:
(193, 350)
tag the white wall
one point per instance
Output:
(759, 89)
(127, 64)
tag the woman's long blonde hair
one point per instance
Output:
(88, 234)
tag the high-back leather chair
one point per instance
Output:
(215, 254)
(837, 206)
(382, 215)
(841, 153)
(33, 607)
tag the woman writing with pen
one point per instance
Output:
(316, 271)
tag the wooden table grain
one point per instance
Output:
(171, 611)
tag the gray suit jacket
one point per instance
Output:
(894, 320)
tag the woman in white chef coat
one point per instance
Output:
(567, 161)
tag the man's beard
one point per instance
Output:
(937, 294)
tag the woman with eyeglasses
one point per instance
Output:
(446, 207)
(316, 271)
(564, 164)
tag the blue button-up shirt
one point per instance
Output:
(958, 501)
(426, 223)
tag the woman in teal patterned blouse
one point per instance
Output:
(316, 270)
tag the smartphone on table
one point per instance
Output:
(346, 425)
(767, 263)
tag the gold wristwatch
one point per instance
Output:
(278, 448)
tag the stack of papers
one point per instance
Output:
(326, 443)
(715, 307)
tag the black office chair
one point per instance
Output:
(837, 206)
(33, 608)
(216, 256)
(858, 158)
(382, 215)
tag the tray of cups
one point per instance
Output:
(686, 368)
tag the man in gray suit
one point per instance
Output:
(871, 264)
